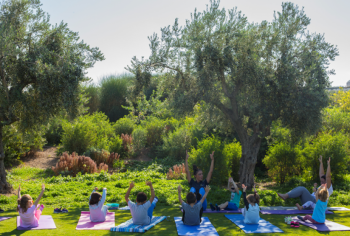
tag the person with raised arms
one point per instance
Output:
(198, 185)
(303, 193)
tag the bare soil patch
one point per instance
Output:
(42, 159)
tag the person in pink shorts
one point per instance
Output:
(29, 212)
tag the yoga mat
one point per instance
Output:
(205, 228)
(327, 226)
(128, 226)
(4, 218)
(127, 208)
(289, 212)
(85, 223)
(338, 209)
(263, 226)
(45, 222)
(222, 211)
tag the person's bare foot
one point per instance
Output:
(283, 196)
(299, 207)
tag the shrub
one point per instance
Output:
(139, 138)
(127, 144)
(222, 163)
(102, 156)
(93, 94)
(116, 145)
(124, 126)
(54, 131)
(233, 153)
(176, 143)
(118, 164)
(155, 129)
(178, 172)
(336, 120)
(73, 164)
(18, 142)
(283, 161)
(333, 145)
(86, 132)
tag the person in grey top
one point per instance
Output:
(191, 210)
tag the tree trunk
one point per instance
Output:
(250, 149)
(4, 186)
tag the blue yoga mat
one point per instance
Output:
(205, 228)
(263, 226)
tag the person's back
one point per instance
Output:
(98, 211)
(252, 214)
(192, 213)
(27, 217)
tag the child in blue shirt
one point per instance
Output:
(233, 204)
(319, 214)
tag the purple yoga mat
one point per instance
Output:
(45, 222)
(327, 226)
(4, 218)
(222, 211)
(289, 212)
(85, 223)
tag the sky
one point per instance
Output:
(119, 28)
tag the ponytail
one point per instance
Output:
(195, 169)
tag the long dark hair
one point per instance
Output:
(95, 198)
(195, 169)
(22, 202)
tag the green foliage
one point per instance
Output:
(54, 130)
(200, 157)
(233, 153)
(341, 99)
(283, 161)
(333, 145)
(176, 143)
(336, 120)
(114, 90)
(116, 145)
(124, 126)
(93, 94)
(18, 142)
(155, 129)
(86, 132)
(139, 139)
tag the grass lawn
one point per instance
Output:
(66, 224)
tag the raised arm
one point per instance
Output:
(328, 175)
(188, 174)
(246, 203)
(103, 199)
(128, 192)
(40, 195)
(207, 189)
(153, 195)
(211, 167)
(321, 171)
(179, 193)
(19, 192)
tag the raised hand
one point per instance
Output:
(320, 159)
(329, 161)
(105, 188)
(207, 189)
(230, 180)
(179, 188)
(149, 183)
(244, 187)
(96, 188)
(43, 187)
(212, 156)
(19, 187)
(132, 184)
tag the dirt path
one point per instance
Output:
(42, 159)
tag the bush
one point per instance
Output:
(93, 94)
(336, 120)
(139, 138)
(178, 172)
(73, 164)
(86, 132)
(233, 152)
(54, 131)
(333, 145)
(222, 163)
(102, 156)
(124, 126)
(116, 145)
(283, 161)
(18, 142)
(155, 129)
(176, 143)
(114, 90)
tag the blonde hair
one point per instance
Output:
(23, 203)
(323, 195)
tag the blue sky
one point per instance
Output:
(120, 28)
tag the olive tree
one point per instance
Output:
(254, 73)
(41, 67)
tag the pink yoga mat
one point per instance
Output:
(45, 222)
(85, 223)
(327, 226)
(4, 218)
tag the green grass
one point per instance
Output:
(66, 224)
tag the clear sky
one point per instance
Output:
(120, 27)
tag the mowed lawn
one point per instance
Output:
(66, 223)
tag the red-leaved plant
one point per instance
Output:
(73, 164)
(177, 172)
(127, 142)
